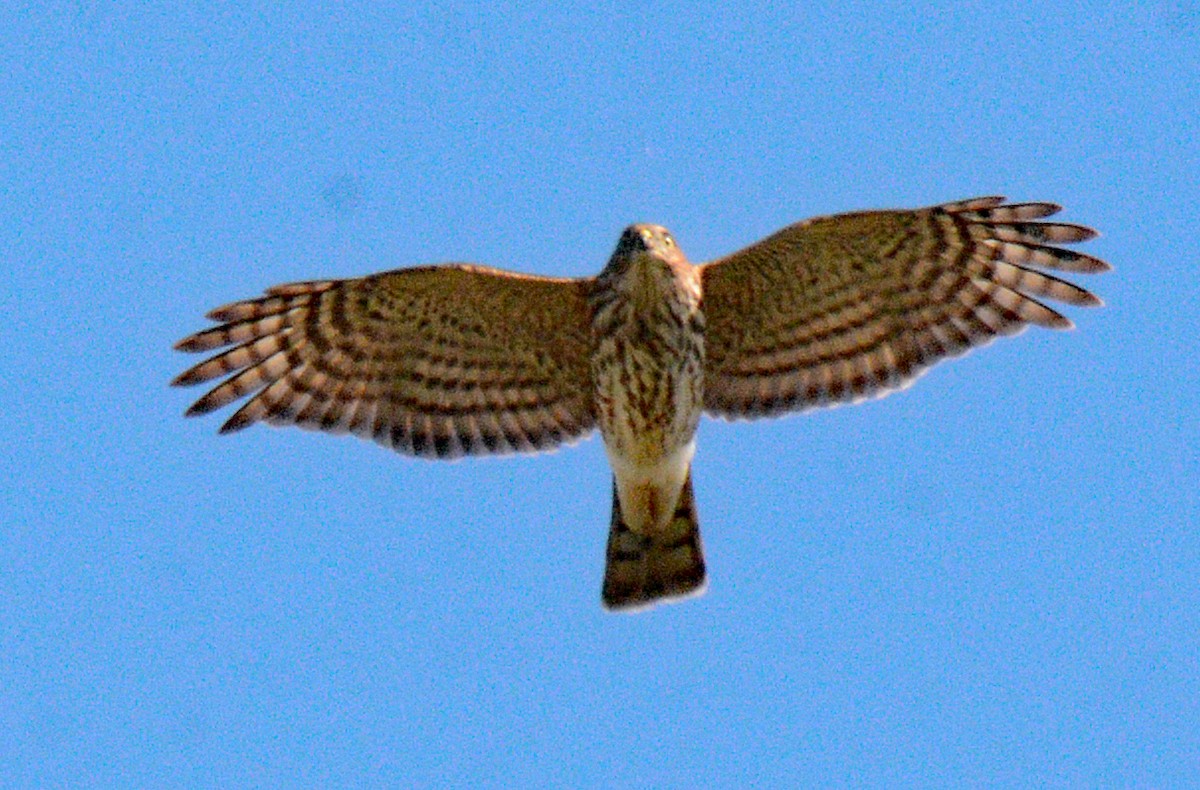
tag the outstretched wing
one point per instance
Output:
(851, 306)
(435, 361)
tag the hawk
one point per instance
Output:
(455, 359)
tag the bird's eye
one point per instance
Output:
(667, 240)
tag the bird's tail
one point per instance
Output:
(643, 568)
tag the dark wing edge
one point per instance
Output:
(976, 275)
(435, 361)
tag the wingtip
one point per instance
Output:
(185, 344)
(233, 425)
(197, 409)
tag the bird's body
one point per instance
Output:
(443, 361)
(648, 373)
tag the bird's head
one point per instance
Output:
(647, 256)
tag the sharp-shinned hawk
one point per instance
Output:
(450, 360)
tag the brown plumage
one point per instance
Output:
(436, 361)
(450, 360)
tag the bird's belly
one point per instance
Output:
(648, 407)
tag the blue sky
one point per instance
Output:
(990, 578)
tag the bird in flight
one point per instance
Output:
(455, 359)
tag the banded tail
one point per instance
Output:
(643, 569)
